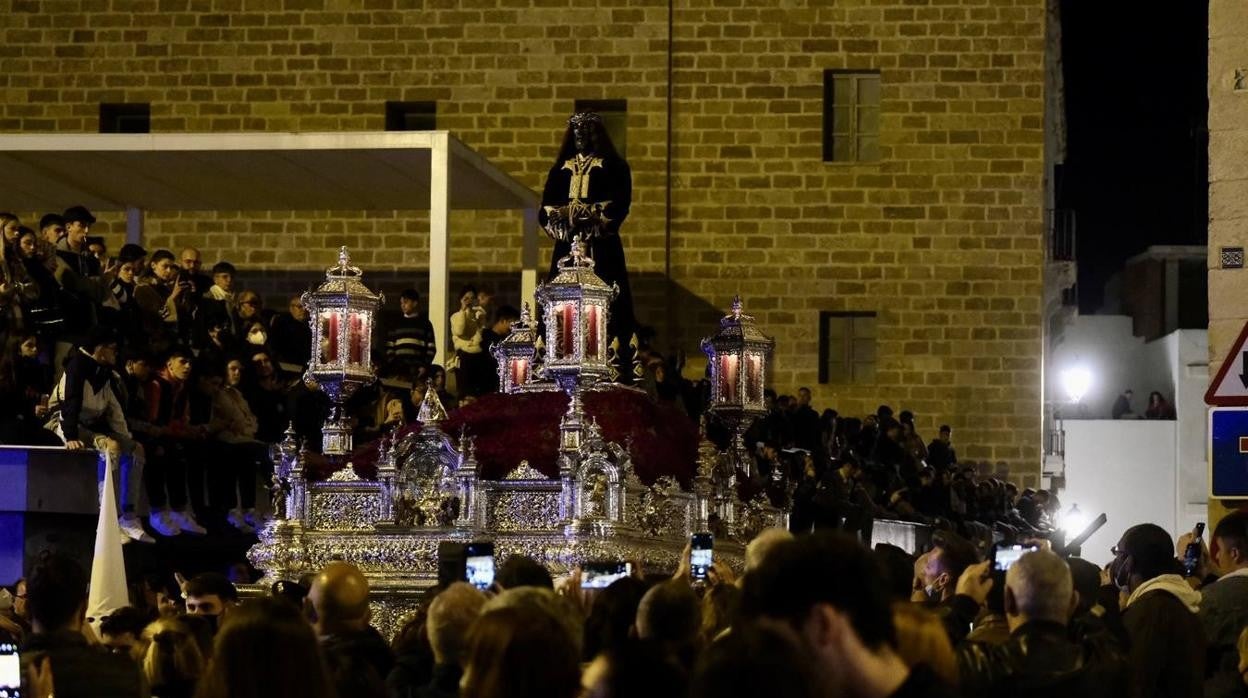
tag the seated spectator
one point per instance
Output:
(1158, 408)
(192, 263)
(251, 312)
(410, 342)
(1040, 659)
(291, 338)
(172, 660)
(266, 396)
(234, 427)
(829, 590)
(123, 628)
(174, 450)
(25, 388)
(166, 304)
(218, 300)
(266, 649)
(73, 247)
(57, 596)
(86, 412)
(940, 452)
(1167, 656)
(520, 652)
(339, 596)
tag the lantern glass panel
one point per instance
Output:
(753, 378)
(359, 336)
(593, 333)
(729, 378)
(330, 322)
(518, 372)
(565, 330)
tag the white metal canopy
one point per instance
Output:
(386, 170)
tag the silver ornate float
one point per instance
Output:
(429, 488)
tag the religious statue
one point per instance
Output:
(279, 488)
(588, 193)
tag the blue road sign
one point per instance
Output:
(1228, 453)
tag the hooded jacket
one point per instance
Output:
(86, 396)
(1167, 657)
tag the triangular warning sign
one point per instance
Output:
(1230, 387)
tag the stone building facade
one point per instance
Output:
(1228, 173)
(941, 236)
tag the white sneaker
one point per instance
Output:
(163, 523)
(186, 521)
(132, 529)
(237, 519)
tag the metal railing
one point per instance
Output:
(1061, 235)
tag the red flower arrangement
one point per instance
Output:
(509, 429)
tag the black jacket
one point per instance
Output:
(1167, 657)
(84, 671)
(1041, 660)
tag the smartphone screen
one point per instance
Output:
(10, 671)
(1005, 555)
(701, 557)
(479, 558)
(600, 575)
(1191, 555)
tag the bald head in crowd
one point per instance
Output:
(340, 596)
(1039, 587)
(450, 615)
(763, 543)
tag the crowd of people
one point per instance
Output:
(185, 377)
(807, 615)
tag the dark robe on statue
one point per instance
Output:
(610, 184)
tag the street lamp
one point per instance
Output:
(1076, 380)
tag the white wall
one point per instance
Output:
(1125, 468)
(1187, 354)
(1117, 360)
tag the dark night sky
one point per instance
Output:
(1136, 171)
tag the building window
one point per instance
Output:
(614, 113)
(411, 116)
(125, 118)
(851, 116)
(847, 347)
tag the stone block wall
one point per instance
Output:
(941, 237)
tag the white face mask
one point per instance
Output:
(257, 337)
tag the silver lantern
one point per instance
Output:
(516, 354)
(341, 311)
(575, 306)
(738, 356)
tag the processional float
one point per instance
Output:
(429, 487)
